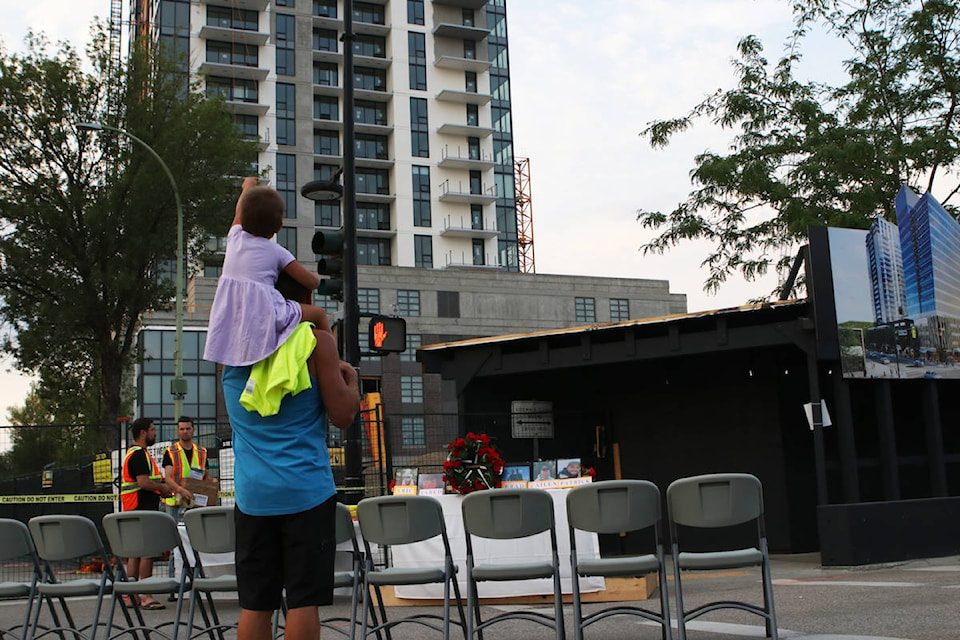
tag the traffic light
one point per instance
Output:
(328, 245)
(387, 334)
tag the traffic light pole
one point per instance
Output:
(353, 440)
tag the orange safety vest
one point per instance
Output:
(129, 486)
(179, 459)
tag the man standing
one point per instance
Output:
(285, 493)
(182, 460)
(141, 489)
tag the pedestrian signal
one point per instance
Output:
(387, 334)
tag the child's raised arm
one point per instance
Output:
(247, 183)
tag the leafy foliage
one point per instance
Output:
(88, 221)
(807, 153)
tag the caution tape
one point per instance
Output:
(69, 497)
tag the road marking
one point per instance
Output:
(848, 583)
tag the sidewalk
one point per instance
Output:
(913, 600)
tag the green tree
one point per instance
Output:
(808, 153)
(88, 222)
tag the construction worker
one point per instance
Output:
(141, 489)
(183, 459)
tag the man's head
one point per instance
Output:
(573, 468)
(261, 211)
(143, 432)
(185, 429)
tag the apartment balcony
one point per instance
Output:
(460, 31)
(376, 233)
(375, 129)
(255, 5)
(465, 261)
(461, 159)
(466, 130)
(372, 61)
(371, 28)
(461, 63)
(385, 198)
(374, 95)
(246, 108)
(464, 97)
(462, 228)
(462, 4)
(374, 163)
(327, 89)
(323, 22)
(460, 193)
(321, 55)
(241, 36)
(233, 71)
(327, 125)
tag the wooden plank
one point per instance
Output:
(618, 590)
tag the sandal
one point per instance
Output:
(153, 605)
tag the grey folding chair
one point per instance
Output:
(617, 506)
(15, 544)
(710, 502)
(506, 514)
(352, 579)
(211, 530)
(397, 520)
(67, 537)
(145, 534)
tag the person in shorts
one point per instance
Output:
(285, 494)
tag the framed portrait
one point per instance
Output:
(406, 477)
(516, 473)
(430, 484)
(544, 470)
(569, 468)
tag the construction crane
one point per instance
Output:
(521, 176)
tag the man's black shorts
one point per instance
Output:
(294, 551)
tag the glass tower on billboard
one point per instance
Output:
(885, 265)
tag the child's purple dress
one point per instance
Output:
(249, 318)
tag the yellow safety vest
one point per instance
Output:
(129, 486)
(179, 459)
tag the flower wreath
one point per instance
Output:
(472, 464)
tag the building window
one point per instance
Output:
(476, 183)
(325, 8)
(325, 74)
(370, 79)
(408, 303)
(470, 78)
(473, 148)
(370, 146)
(411, 389)
(326, 108)
(585, 309)
(421, 196)
(286, 3)
(286, 43)
(287, 238)
(478, 255)
(415, 11)
(373, 215)
(467, 17)
(414, 340)
(368, 12)
(371, 46)
(448, 304)
(325, 40)
(412, 431)
(326, 143)
(423, 251)
(419, 130)
(473, 115)
(247, 125)
(287, 183)
(373, 251)
(235, 53)
(370, 112)
(476, 217)
(368, 300)
(326, 213)
(417, 45)
(233, 89)
(619, 309)
(329, 305)
(470, 49)
(232, 18)
(373, 181)
(286, 114)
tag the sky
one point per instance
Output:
(586, 78)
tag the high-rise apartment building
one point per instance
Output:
(885, 267)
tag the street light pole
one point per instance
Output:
(178, 386)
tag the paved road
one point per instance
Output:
(915, 600)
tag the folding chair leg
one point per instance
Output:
(771, 618)
(577, 612)
(666, 632)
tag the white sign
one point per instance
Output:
(531, 419)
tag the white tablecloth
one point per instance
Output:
(485, 551)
